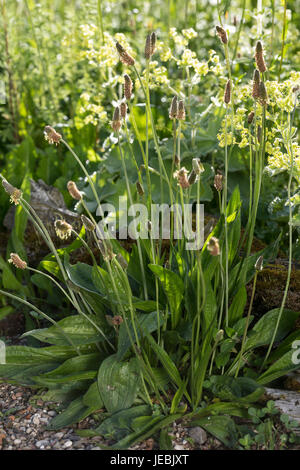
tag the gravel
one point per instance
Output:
(23, 424)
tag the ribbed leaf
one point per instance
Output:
(118, 383)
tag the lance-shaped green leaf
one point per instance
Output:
(118, 383)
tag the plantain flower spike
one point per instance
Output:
(127, 87)
(123, 110)
(181, 110)
(17, 261)
(255, 84)
(63, 229)
(73, 191)
(213, 246)
(116, 120)
(173, 108)
(124, 56)
(88, 224)
(52, 136)
(263, 95)
(15, 193)
(218, 182)
(227, 94)
(259, 57)
(222, 34)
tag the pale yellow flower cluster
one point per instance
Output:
(91, 113)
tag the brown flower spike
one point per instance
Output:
(123, 110)
(17, 261)
(255, 84)
(181, 176)
(52, 136)
(259, 57)
(124, 56)
(181, 110)
(116, 121)
(73, 191)
(263, 95)
(127, 87)
(218, 182)
(173, 108)
(250, 117)
(88, 224)
(153, 42)
(227, 94)
(222, 34)
(15, 193)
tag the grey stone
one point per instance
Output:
(198, 435)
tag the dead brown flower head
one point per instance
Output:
(17, 261)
